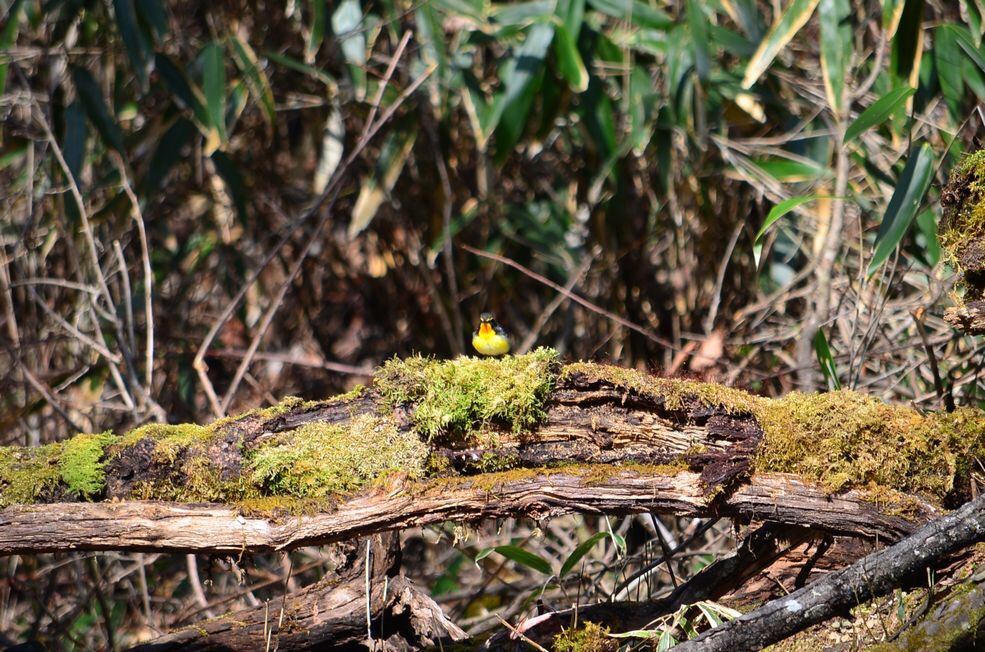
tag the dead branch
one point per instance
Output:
(215, 529)
(330, 614)
(838, 592)
(604, 444)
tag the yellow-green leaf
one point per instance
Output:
(248, 62)
(782, 31)
(879, 111)
(836, 50)
(377, 186)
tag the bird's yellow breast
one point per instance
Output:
(488, 342)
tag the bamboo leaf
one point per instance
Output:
(316, 32)
(880, 110)
(376, 187)
(520, 556)
(569, 60)
(780, 210)
(948, 58)
(640, 15)
(827, 361)
(214, 81)
(332, 145)
(578, 553)
(905, 203)
(232, 178)
(892, 10)
(134, 40)
(91, 97)
(7, 37)
(572, 14)
(248, 62)
(347, 27)
(746, 15)
(907, 44)
(74, 142)
(792, 171)
(303, 68)
(972, 14)
(697, 22)
(154, 15)
(519, 74)
(836, 50)
(170, 150)
(520, 13)
(964, 40)
(781, 33)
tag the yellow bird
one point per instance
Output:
(490, 338)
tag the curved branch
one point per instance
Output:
(218, 529)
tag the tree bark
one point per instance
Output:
(216, 529)
(331, 614)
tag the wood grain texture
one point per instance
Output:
(206, 528)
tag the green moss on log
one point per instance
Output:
(457, 398)
(321, 459)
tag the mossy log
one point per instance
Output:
(469, 439)
(962, 239)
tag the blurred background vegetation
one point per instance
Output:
(208, 206)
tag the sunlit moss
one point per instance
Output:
(27, 474)
(844, 439)
(675, 394)
(81, 463)
(168, 439)
(589, 637)
(320, 459)
(962, 229)
(456, 397)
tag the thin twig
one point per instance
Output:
(516, 632)
(571, 295)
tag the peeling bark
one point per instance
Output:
(330, 614)
(173, 527)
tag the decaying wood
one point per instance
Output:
(135, 525)
(614, 446)
(839, 591)
(330, 614)
(599, 448)
(969, 318)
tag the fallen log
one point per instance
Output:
(544, 493)
(472, 439)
